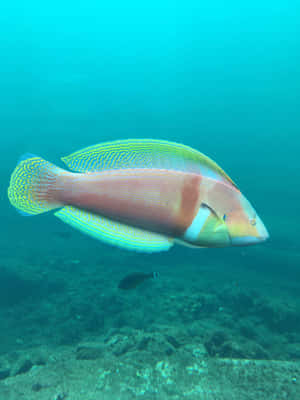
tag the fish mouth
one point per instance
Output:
(262, 230)
(247, 240)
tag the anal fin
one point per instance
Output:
(114, 233)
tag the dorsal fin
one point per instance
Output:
(144, 153)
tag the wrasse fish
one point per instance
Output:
(134, 279)
(139, 194)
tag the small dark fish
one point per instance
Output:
(134, 279)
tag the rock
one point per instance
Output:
(143, 345)
(15, 289)
(169, 351)
(173, 341)
(247, 330)
(231, 349)
(293, 350)
(4, 373)
(236, 300)
(214, 343)
(61, 396)
(280, 318)
(267, 313)
(36, 387)
(122, 348)
(39, 357)
(24, 366)
(88, 353)
(256, 352)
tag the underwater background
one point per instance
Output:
(222, 77)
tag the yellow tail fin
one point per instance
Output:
(30, 185)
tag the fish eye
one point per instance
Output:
(253, 221)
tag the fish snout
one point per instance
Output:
(261, 235)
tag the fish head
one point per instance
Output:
(242, 223)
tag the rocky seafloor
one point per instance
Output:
(217, 324)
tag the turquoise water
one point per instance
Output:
(220, 77)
